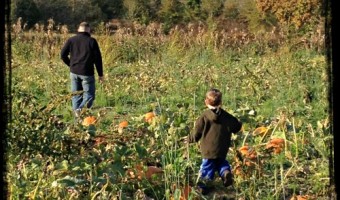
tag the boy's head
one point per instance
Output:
(213, 98)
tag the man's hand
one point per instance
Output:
(101, 79)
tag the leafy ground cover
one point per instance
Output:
(129, 145)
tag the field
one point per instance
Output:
(278, 86)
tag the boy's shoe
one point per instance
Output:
(202, 189)
(227, 178)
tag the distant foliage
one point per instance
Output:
(301, 15)
(292, 12)
(139, 10)
(27, 10)
(212, 8)
(171, 13)
(255, 19)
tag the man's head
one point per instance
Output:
(84, 27)
(213, 98)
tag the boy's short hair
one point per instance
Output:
(213, 97)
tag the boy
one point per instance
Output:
(214, 128)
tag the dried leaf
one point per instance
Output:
(244, 150)
(260, 131)
(238, 170)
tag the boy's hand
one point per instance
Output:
(185, 139)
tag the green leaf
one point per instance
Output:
(66, 182)
(91, 130)
(142, 152)
(69, 181)
(63, 165)
(118, 167)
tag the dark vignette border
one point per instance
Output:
(5, 88)
(331, 39)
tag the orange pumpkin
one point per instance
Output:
(305, 197)
(149, 116)
(276, 145)
(152, 170)
(185, 192)
(248, 152)
(123, 124)
(139, 172)
(91, 120)
(277, 150)
(277, 141)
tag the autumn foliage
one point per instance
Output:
(295, 12)
(260, 131)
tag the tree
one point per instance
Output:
(27, 10)
(212, 8)
(70, 12)
(111, 8)
(59, 11)
(142, 12)
(171, 13)
(292, 12)
(194, 9)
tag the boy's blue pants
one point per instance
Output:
(210, 166)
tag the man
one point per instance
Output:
(81, 53)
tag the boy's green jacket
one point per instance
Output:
(214, 129)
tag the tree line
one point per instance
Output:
(257, 14)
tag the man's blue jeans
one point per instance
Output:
(85, 84)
